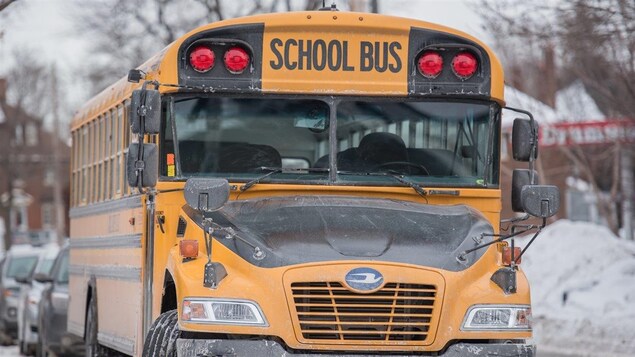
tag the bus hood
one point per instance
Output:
(303, 229)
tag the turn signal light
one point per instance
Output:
(464, 65)
(236, 60)
(430, 64)
(188, 248)
(507, 255)
(202, 59)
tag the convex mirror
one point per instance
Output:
(151, 110)
(147, 165)
(524, 140)
(206, 194)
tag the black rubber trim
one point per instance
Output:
(447, 83)
(249, 37)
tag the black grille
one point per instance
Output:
(180, 229)
(397, 312)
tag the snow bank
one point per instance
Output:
(583, 290)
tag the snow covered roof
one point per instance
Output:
(514, 98)
(574, 103)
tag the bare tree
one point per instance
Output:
(126, 32)
(593, 40)
(29, 85)
(589, 40)
(5, 3)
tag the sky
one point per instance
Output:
(46, 29)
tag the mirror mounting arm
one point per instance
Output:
(522, 252)
(503, 237)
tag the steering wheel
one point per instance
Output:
(421, 169)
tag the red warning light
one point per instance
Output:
(430, 64)
(464, 65)
(202, 59)
(236, 60)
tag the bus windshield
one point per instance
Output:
(440, 143)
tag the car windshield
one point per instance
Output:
(62, 272)
(44, 267)
(20, 266)
(441, 143)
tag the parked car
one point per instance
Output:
(30, 293)
(19, 262)
(53, 311)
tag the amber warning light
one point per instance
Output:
(507, 255)
(188, 248)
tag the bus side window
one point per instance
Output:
(119, 150)
(92, 142)
(126, 142)
(74, 169)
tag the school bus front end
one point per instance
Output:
(328, 184)
(359, 170)
(330, 282)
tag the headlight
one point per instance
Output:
(222, 311)
(498, 317)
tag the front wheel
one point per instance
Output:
(92, 347)
(161, 339)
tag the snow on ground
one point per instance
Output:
(583, 290)
(11, 351)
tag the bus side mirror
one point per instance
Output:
(524, 140)
(145, 168)
(206, 194)
(541, 200)
(151, 109)
(520, 179)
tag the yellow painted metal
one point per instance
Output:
(456, 291)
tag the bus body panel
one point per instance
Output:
(107, 252)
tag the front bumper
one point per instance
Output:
(268, 348)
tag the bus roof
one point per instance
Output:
(314, 25)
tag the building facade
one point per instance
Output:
(34, 177)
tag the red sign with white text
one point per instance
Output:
(587, 133)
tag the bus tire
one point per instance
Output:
(161, 339)
(92, 347)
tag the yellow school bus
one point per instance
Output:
(302, 183)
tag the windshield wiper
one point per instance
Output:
(277, 170)
(396, 175)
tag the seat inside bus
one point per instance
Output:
(387, 150)
(226, 157)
